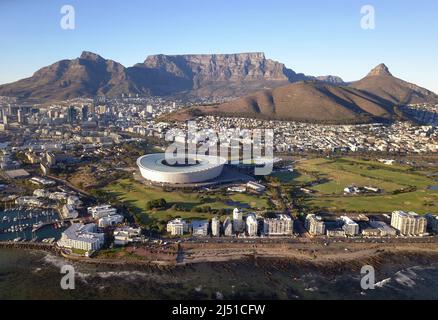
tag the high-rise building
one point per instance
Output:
(21, 116)
(71, 114)
(92, 110)
(84, 113)
(251, 225)
(409, 223)
(149, 108)
(238, 223)
(228, 227)
(281, 225)
(315, 225)
(215, 227)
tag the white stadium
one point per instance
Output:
(200, 168)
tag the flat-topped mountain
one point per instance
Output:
(230, 75)
(212, 74)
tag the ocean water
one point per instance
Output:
(25, 219)
(36, 275)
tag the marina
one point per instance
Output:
(29, 224)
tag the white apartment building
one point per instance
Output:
(281, 225)
(82, 237)
(350, 227)
(102, 211)
(315, 225)
(200, 228)
(238, 223)
(177, 227)
(126, 235)
(110, 221)
(251, 225)
(228, 227)
(69, 212)
(409, 223)
(215, 227)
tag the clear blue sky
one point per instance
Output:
(316, 37)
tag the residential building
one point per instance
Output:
(228, 227)
(251, 225)
(82, 237)
(409, 223)
(69, 212)
(432, 222)
(385, 230)
(257, 187)
(215, 227)
(102, 211)
(110, 221)
(350, 227)
(281, 225)
(126, 235)
(177, 227)
(200, 228)
(238, 223)
(315, 225)
(336, 233)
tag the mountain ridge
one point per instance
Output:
(190, 75)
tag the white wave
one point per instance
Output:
(406, 278)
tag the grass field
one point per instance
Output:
(336, 174)
(136, 195)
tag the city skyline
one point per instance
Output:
(129, 33)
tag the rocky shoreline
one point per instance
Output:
(311, 256)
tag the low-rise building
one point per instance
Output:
(29, 201)
(257, 187)
(336, 233)
(126, 235)
(110, 221)
(385, 230)
(98, 212)
(371, 233)
(82, 237)
(69, 212)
